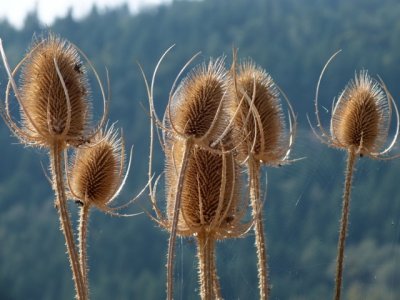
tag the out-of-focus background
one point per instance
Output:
(292, 40)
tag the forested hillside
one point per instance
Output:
(292, 40)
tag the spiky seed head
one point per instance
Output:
(361, 116)
(43, 94)
(260, 130)
(207, 203)
(195, 104)
(96, 172)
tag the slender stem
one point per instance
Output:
(61, 204)
(206, 257)
(83, 230)
(254, 177)
(215, 279)
(351, 159)
(175, 217)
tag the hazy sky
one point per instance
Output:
(15, 10)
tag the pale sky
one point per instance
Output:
(16, 10)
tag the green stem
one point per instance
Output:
(254, 178)
(351, 159)
(61, 204)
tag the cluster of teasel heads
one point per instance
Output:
(55, 114)
(218, 121)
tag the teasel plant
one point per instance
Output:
(196, 116)
(262, 137)
(55, 113)
(211, 205)
(360, 122)
(95, 178)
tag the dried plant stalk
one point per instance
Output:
(360, 123)
(262, 262)
(259, 131)
(95, 179)
(82, 246)
(61, 201)
(351, 160)
(206, 257)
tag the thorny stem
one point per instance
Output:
(83, 230)
(351, 159)
(61, 203)
(206, 257)
(215, 279)
(177, 205)
(254, 178)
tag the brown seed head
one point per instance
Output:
(361, 116)
(261, 130)
(210, 191)
(44, 96)
(96, 172)
(196, 103)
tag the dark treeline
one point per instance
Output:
(292, 40)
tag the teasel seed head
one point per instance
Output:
(210, 193)
(95, 177)
(197, 108)
(51, 73)
(259, 127)
(361, 116)
(53, 96)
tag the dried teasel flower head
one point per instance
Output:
(259, 126)
(96, 175)
(210, 198)
(361, 117)
(197, 108)
(53, 96)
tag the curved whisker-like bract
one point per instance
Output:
(319, 124)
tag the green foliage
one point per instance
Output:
(292, 40)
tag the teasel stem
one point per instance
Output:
(254, 180)
(177, 205)
(56, 152)
(216, 285)
(83, 230)
(206, 257)
(351, 159)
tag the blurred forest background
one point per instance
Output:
(292, 40)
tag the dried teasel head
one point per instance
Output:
(52, 73)
(53, 96)
(361, 117)
(96, 175)
(210, 193)
(197, 109)
(259, 127)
